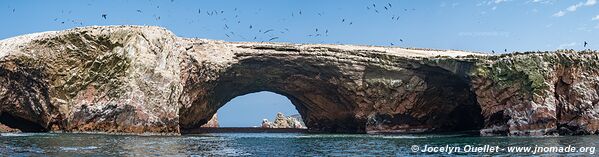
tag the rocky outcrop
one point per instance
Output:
(4, 128)
(299, 119)
(212, 123)
(138, 79)
(538, 93)
(282, 122)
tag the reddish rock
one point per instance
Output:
(4, 128)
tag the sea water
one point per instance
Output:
(288, 144)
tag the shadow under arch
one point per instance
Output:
(320, 103)
(341, 97)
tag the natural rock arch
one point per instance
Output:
(137, 79)
(335, 94)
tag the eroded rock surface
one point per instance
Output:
(134, 79)
(212, 123)
(281, 121)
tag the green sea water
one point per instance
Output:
(285, 144)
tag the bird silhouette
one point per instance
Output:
(585, 43)
(139, 11)
(504, 50)
(493, 51)
(271, 39)
(104, 16)
(268, 31)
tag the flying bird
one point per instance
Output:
(504, 50)
(585, 43)
(271, 39)
(493, 51)
(250, 26)
(104, 16)
(268, 31)
(139, 11)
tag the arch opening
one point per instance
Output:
(251, 109)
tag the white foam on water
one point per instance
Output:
(25, 134)
(402, 137)
(78, 148)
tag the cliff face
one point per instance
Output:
(538, 93)
(144, 79)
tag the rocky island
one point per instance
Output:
(141, 79)
(281, 121)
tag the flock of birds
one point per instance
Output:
(270, 31)
(272, 34)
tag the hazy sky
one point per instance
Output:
(483, 26)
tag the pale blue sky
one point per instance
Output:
(515, 25)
